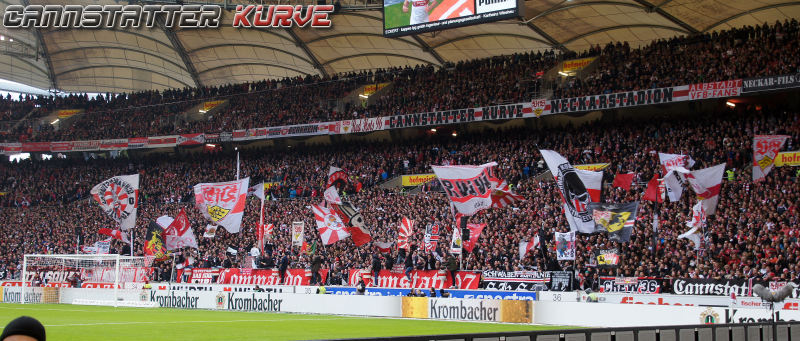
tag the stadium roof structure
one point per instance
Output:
(118, 60)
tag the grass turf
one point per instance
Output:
(69, 322)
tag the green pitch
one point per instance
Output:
(72, 322)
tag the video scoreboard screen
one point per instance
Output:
(405, 17)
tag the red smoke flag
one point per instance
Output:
(404, 234)
(654, 191)
(474, 233)
(526, 246)
(623, 180)
(116, 234)
(330, 226)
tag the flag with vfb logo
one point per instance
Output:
(223, 202)
(119, 199)
(329, 225)
(616, 219)
(178, 233)
(765, 149)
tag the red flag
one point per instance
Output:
(116, 234)
(623, 180)
(404, 234)
(654, 190)
(263, 231)
(474, 232)
(526, 245)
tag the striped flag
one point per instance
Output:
(527, 245)
(404, 234)
(116, 234)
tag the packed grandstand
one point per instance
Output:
(47, 207)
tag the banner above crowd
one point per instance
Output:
(532, 109)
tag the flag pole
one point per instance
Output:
(133, 238)
(237, 163)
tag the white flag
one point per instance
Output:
(527, 245)
(765, 149)
(223, 202)
(707, 183)
(332, 196)
(456, 243)
(575, 194)
(119, 199)
(565, 245)
(297, 233)
(468, 187)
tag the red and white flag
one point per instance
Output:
(527, 245)
(353, 222)
(502, 195)
(404, 233)
(431, 237)
(695, 225)
(456, 241)
(468, 187)
(765, 150)
(116, 234)
(577, 187)
(223, 202)
(672, 161)
(332, 196)
(707, 183)
(119, 199)
(383, 247)
(263, 232)
(178, 233)
(475, 231)
(330, 226)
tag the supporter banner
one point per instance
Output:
(640, 285)
(162, 141)
(363, 125)
(211, 105)
(114, 144)
(137, 142)
(416, 179)
(534, 108)
(455, 293)
(420, 279)
(731, 88)
(201, 276)
(86, 146)
(218, 137)
(771, 83)
(61, 146)
(11, 148)
(619, 100)
(373, 88)
(561, 280)
(788, 159)
(191, 139)
(707, 286)
(67, 113)
(576, 64)
(516, 280)
(35, 146)
(239, 135)
(593, 166)
(267, 276)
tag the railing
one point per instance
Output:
(765, 331)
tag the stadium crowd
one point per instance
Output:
(735, 53)
(752, 235)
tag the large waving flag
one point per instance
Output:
(474, 233)
(707, 183)
(655, 190)
(223, 202)
(616, 219)
(469, 188)
(672, 161)
(332, 196)
(404, 234)
(353, 221)
(765, 149)
(502, 195)
(526, 246)
(178, 233)
(116, 234)
(383, 247)
(337, 177)
(119, 199)
(154, 242)
(578, 188)
(696, 225)
(330, 226)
